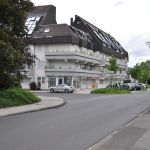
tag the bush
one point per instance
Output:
(33, 86)
(16, 97)
(110, 91)
(9, 81)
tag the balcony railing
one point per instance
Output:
(28, 73)
(109, 74)
(75, 70)
(74, 56)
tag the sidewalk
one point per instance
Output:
(134, 136)
(77, 91)
(83, 91)
(45, 103)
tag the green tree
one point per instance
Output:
(141, 72)
(112, 66)
(136, 72)
(14, 53)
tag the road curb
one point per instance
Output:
(34, 110)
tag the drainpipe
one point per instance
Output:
(34, 65)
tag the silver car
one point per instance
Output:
(61, 88)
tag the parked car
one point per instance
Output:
(130, 86)
(143, 86)
(125, 86)
(136, 87)
(62, 88)
(113, 85)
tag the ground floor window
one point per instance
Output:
(51, 81)
(101, 81)
(68, 81)
(76, 82)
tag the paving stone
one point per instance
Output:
(148, 112)
(124, 139)
(137, 148)
(144, 141)
(142, 122)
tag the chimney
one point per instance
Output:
(50, 17)
(71, 21)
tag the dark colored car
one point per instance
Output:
(136, 87)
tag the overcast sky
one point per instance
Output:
(126, 20)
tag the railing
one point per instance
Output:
(122, 63)
(28, 73)
(73, 55)
(107, 74)
(72, 70)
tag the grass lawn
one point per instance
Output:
(16, 97)
(110, 91)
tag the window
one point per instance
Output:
(104, 56)
(31, 23)
(39, 79)
(51, 81)
(83, 66)
(68, 81)
(80, 43)
(43, 79)
(120, 71)
(101, 81)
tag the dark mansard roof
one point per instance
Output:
(60, 33)
(44, 29)
(101, 40)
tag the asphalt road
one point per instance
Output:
(83, 121)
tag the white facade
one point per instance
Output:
(72, 65)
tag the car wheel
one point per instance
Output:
(66, 91)
(52, 90)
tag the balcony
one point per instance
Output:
(72, 72)
(76, 56)
(122, 64)
(109, 74)
(27, 73)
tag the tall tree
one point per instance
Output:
(14, 53)
(141, 72)
(112, 66)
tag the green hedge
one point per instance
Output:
(110, 91)
(16, 97)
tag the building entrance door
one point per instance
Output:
(60, 80)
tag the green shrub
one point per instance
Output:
(110, 91)
(33, 86)
(16, 97)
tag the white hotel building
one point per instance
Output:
(75, 54)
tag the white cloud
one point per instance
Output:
(118, 3)
(127, 20)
